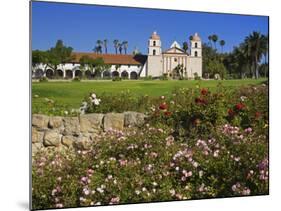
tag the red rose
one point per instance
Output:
(167, 113)
(239, 106)
(230, 112)
(199, 100)
(257, 115)
(204, 91)
(196, 121)
(163, 106)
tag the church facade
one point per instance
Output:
(155, 64)
(159, 63)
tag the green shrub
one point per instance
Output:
(164, 77)
(196, 76)
(43, 79)
(116, 79)
(76, 79)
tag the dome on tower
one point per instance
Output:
(155, 36)
(196, 37)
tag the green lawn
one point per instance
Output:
(71, 94)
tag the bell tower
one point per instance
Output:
(196, 46)
(195, 66)
(154, 45)
(154, 58)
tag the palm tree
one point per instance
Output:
(105, 45)
(215, 39)
(99, 45)
(222, 43)
(116, 45)
(266, 48)
(96, 49)
(256, 45)
(125, 46)
(120, 48)
(190, 37)
(185, 46)
(240, 60)
(210, 40)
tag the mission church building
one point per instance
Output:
(155, 64)
(159, 63)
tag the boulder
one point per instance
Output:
(134, 119)
(35, 148)
(40, 121)
(55, 122)
(68, 140)
(37, 136)
(90, 123)
(113, 121)
(82, 143)
(71, 126)
(52, 138)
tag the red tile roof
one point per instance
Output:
(123, 59)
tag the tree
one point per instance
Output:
(96, 49)
(120, 48)
(266, 48)
(208, 53)
(99, 46)
(256, 46)
(39, 57)
(125, 46)
(222, 43)
(87, 63)
(178, 71)
(263, 69)
(116, 45)
(185, 46)
(190, 37)
(117, 66)
(210, 40)
(216, 67)
(215, 39)
(60, 54)
(105, 45)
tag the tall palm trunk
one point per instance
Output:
(256, 68)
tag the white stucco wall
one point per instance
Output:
(154, 66)
(194, 65)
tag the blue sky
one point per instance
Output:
(79, 26)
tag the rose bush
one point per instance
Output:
(196, 143)
(150, 165)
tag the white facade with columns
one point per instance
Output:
(159, 63)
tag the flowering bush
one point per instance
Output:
(123, 101)
(150, 165)
(197, 143)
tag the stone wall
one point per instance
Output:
(78, 132)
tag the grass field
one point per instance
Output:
(71, 94)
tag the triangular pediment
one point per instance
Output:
(174, 50)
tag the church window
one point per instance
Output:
(196, 53)
(196, 45)
(154, 52)
(154, 43)
(175, 60)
